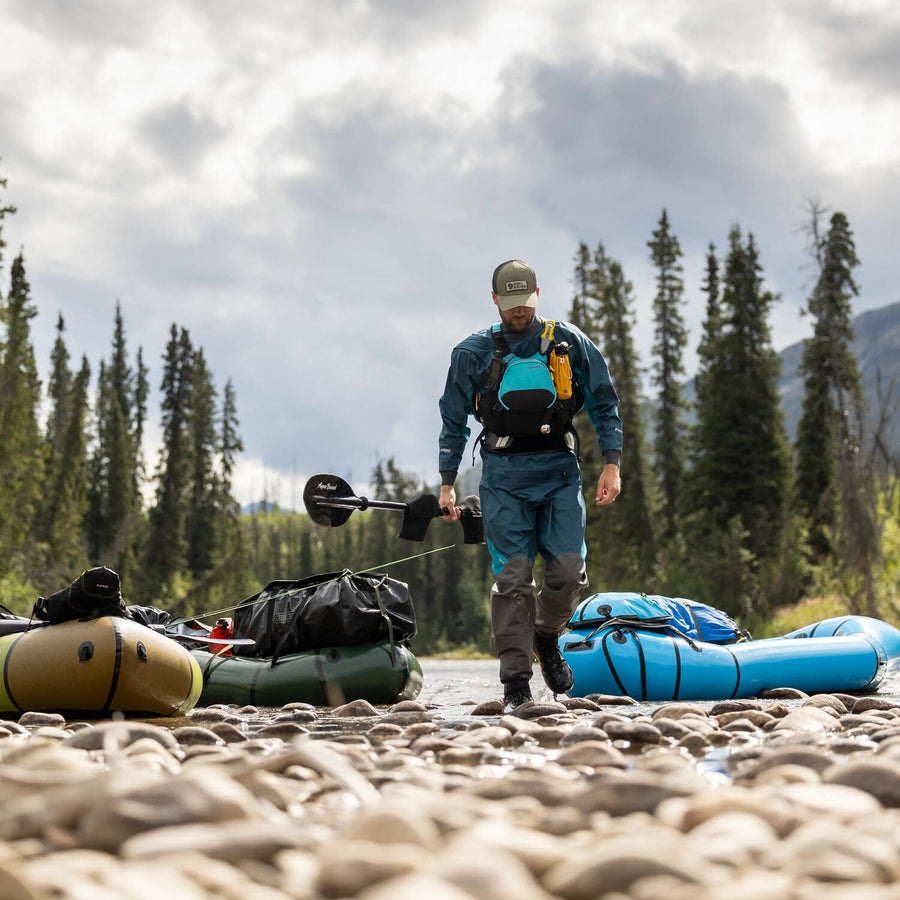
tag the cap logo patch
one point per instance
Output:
(516, 286)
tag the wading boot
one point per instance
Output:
(555, 669)
(515, 693)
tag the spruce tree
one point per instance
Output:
(202, 522)
(114, 494)
(668, 371)
(66, 496)
(626, 525)
(5, 210)
(741, 464)
(58, 388)
(702, 436)
(836, 480)
(140, 394)
(584, 301)
(166, 551)
(21, 443)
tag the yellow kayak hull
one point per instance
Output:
(97, 667)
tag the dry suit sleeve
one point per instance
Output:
(455, 407)
(601, 402)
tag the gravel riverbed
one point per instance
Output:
(784, 797)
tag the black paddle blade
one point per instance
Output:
(470, 519)
(418, 516)
(318, 491)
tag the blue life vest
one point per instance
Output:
(520, 397)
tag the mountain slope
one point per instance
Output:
(877, 349)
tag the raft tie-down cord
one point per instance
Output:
(627, 623)
(249, 601)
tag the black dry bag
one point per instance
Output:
(96, 592)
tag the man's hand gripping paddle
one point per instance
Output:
(330, 501)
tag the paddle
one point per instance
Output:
(230, 642)
(330, 501)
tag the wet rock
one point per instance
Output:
(812, 758)
(782, 693)
(191, 735)
(618, 862)
(123, 810)
(809, 719)
(755, 717)
(727, 706)
(829, 701)
(583, 733)
(284, 731)
(594, 754)
(679, 711)
(40, 719)
(620, 795)
(580, 703)
(229, 733)
(633, 732)
(354, 710)
(393, 825)
(113, 735)
(496, 736)
(696, 744)
(878, 776)
(864, 704)
(830, 852)
(207, 715)
(733, 839)
(687, 813)
(486, 872)
(611, 700)
(347, 868)
(228, 840)
(786, 774)
(415, 887)
(488, 708)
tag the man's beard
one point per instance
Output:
(516, 323)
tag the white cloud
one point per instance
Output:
(319, 191)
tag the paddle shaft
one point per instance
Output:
(363, 503)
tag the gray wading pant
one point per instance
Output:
(532, 505)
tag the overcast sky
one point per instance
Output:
(319, 190)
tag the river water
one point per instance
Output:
(455, 686)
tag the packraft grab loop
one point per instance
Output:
(621, 624)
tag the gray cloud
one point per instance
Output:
(330, 262)
(858, 44)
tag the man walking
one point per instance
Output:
(524, 379)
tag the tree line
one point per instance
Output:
(717, 504)
(720, 506)
(74, 473)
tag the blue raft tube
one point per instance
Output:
(651, 655)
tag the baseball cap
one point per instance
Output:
(515, 284)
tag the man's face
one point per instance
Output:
(518, 318)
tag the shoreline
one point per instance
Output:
(784, 797)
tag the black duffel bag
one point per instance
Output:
(96, 592)
(338, 609)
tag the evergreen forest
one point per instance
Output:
(718, 504)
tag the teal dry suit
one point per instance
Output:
(531, 489)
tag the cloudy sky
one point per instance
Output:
(319, 190)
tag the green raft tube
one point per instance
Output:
(329, 676)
